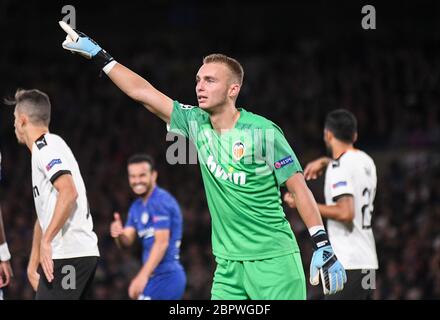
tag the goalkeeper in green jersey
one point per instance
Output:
(244, 160)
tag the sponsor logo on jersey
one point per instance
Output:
(144, 217)
(335, 163)
(52, 163)
(146, 233)
(41, 142)
(283, 162)
(238, 178)
(339, 184)
(238, 150)
(185, 106)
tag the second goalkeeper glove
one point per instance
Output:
(325, 264)
(78, 42)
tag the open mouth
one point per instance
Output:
(139, 188)
(201, 98)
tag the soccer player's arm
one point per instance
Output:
(142, 91)
(124, 235)
(162, 224)
(158, 250)
(305, 202)
(55, 168)
(127, 237)
(34, 260)
(288, 172)
(316, 168)
(57, 171)
(342, 210)
(5, 266)
(2, 231)
(67, 195)
(341, 190)
(128, 81)
(324, 263)
(5, 255)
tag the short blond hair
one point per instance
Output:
(231, 63)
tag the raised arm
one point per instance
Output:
(128, 81)
(142, 91)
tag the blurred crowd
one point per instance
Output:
(393, 89)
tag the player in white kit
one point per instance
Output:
(350, 188)
(5, 265)
(64, 244)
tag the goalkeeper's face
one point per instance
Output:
(215, 86)
(141, 178)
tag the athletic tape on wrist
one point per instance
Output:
(5, 255)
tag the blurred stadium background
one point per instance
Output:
(301, 60)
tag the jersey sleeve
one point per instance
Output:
(131, 222)
(280, 156)
(340, 181)
(184, 120)
(163, 213)
(52, 163)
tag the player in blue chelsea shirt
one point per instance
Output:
(156, 219)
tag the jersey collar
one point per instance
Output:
(41, 141)
(151, 196)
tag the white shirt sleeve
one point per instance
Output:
(340, 182)
(52, 163)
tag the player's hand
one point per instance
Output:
(34, 278)
(116, 228)
(316, 168)
(78, 42)
(46, 259)
(5, 273)
(325, 264)
(137, 286)
(289, 200)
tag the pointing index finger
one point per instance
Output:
(68, 29)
